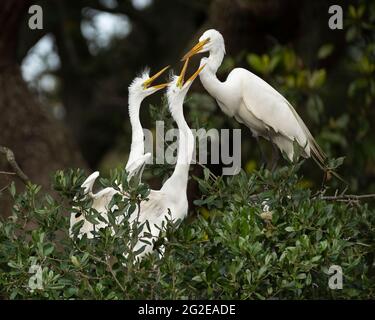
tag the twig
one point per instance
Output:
(2, 189)
(114, 277)
(12, 161)
(106, 263)
(8, 173)
(336, 197)
(348, 197)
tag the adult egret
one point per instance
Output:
(139, 89)
(253, 102)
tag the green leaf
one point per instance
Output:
(77, 227)
(316, 258)
(12, 189)
(317, 78)
(325, 51)
(48, 249)
(301, 276)
(75, 261)
(255, 62)
(197, 278)
(351, 33)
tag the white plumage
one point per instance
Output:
(170, 202)
(139, 89)
(253, 102)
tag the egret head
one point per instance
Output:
(210, 41)
(142, 86)
(178, 87)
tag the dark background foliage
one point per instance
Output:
(327, 75)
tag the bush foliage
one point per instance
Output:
(257, 236)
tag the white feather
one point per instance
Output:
(255, 103)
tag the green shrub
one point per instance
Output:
(232, 249)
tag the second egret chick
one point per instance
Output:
(170, 202)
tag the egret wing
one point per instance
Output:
(88, 184)
(137, 166)
(268, 105)
(154, 211)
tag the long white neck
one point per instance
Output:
(208, 75)
(179, 179)
(137, 144)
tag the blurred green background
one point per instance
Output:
(73, 110)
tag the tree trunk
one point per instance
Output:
(40, 143)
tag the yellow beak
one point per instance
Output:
(196, 73)
(196, 49)
(161, 86)
(180, 81)
(149, 81)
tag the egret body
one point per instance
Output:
(139, 89)
(253, 102)
(170, 202)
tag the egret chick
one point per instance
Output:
(140, 88)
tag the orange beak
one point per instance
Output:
(196, 49)
(180, 81)
(149, 81)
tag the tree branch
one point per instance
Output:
(348, 197)
(7, 173)
(12, 161)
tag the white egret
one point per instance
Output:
(139, 89)
(170, 202)
(253, 102)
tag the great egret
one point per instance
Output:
(139, 89)
(170, 202)
(253, 102)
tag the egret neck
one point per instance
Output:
(137, 144)
(208, 75)
(179, 178)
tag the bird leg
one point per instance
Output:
(264, 158)
(275, 157)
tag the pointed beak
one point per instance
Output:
(149, 81)
(180, 81)
(196, 73)
(160, 86)
(196, 49)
